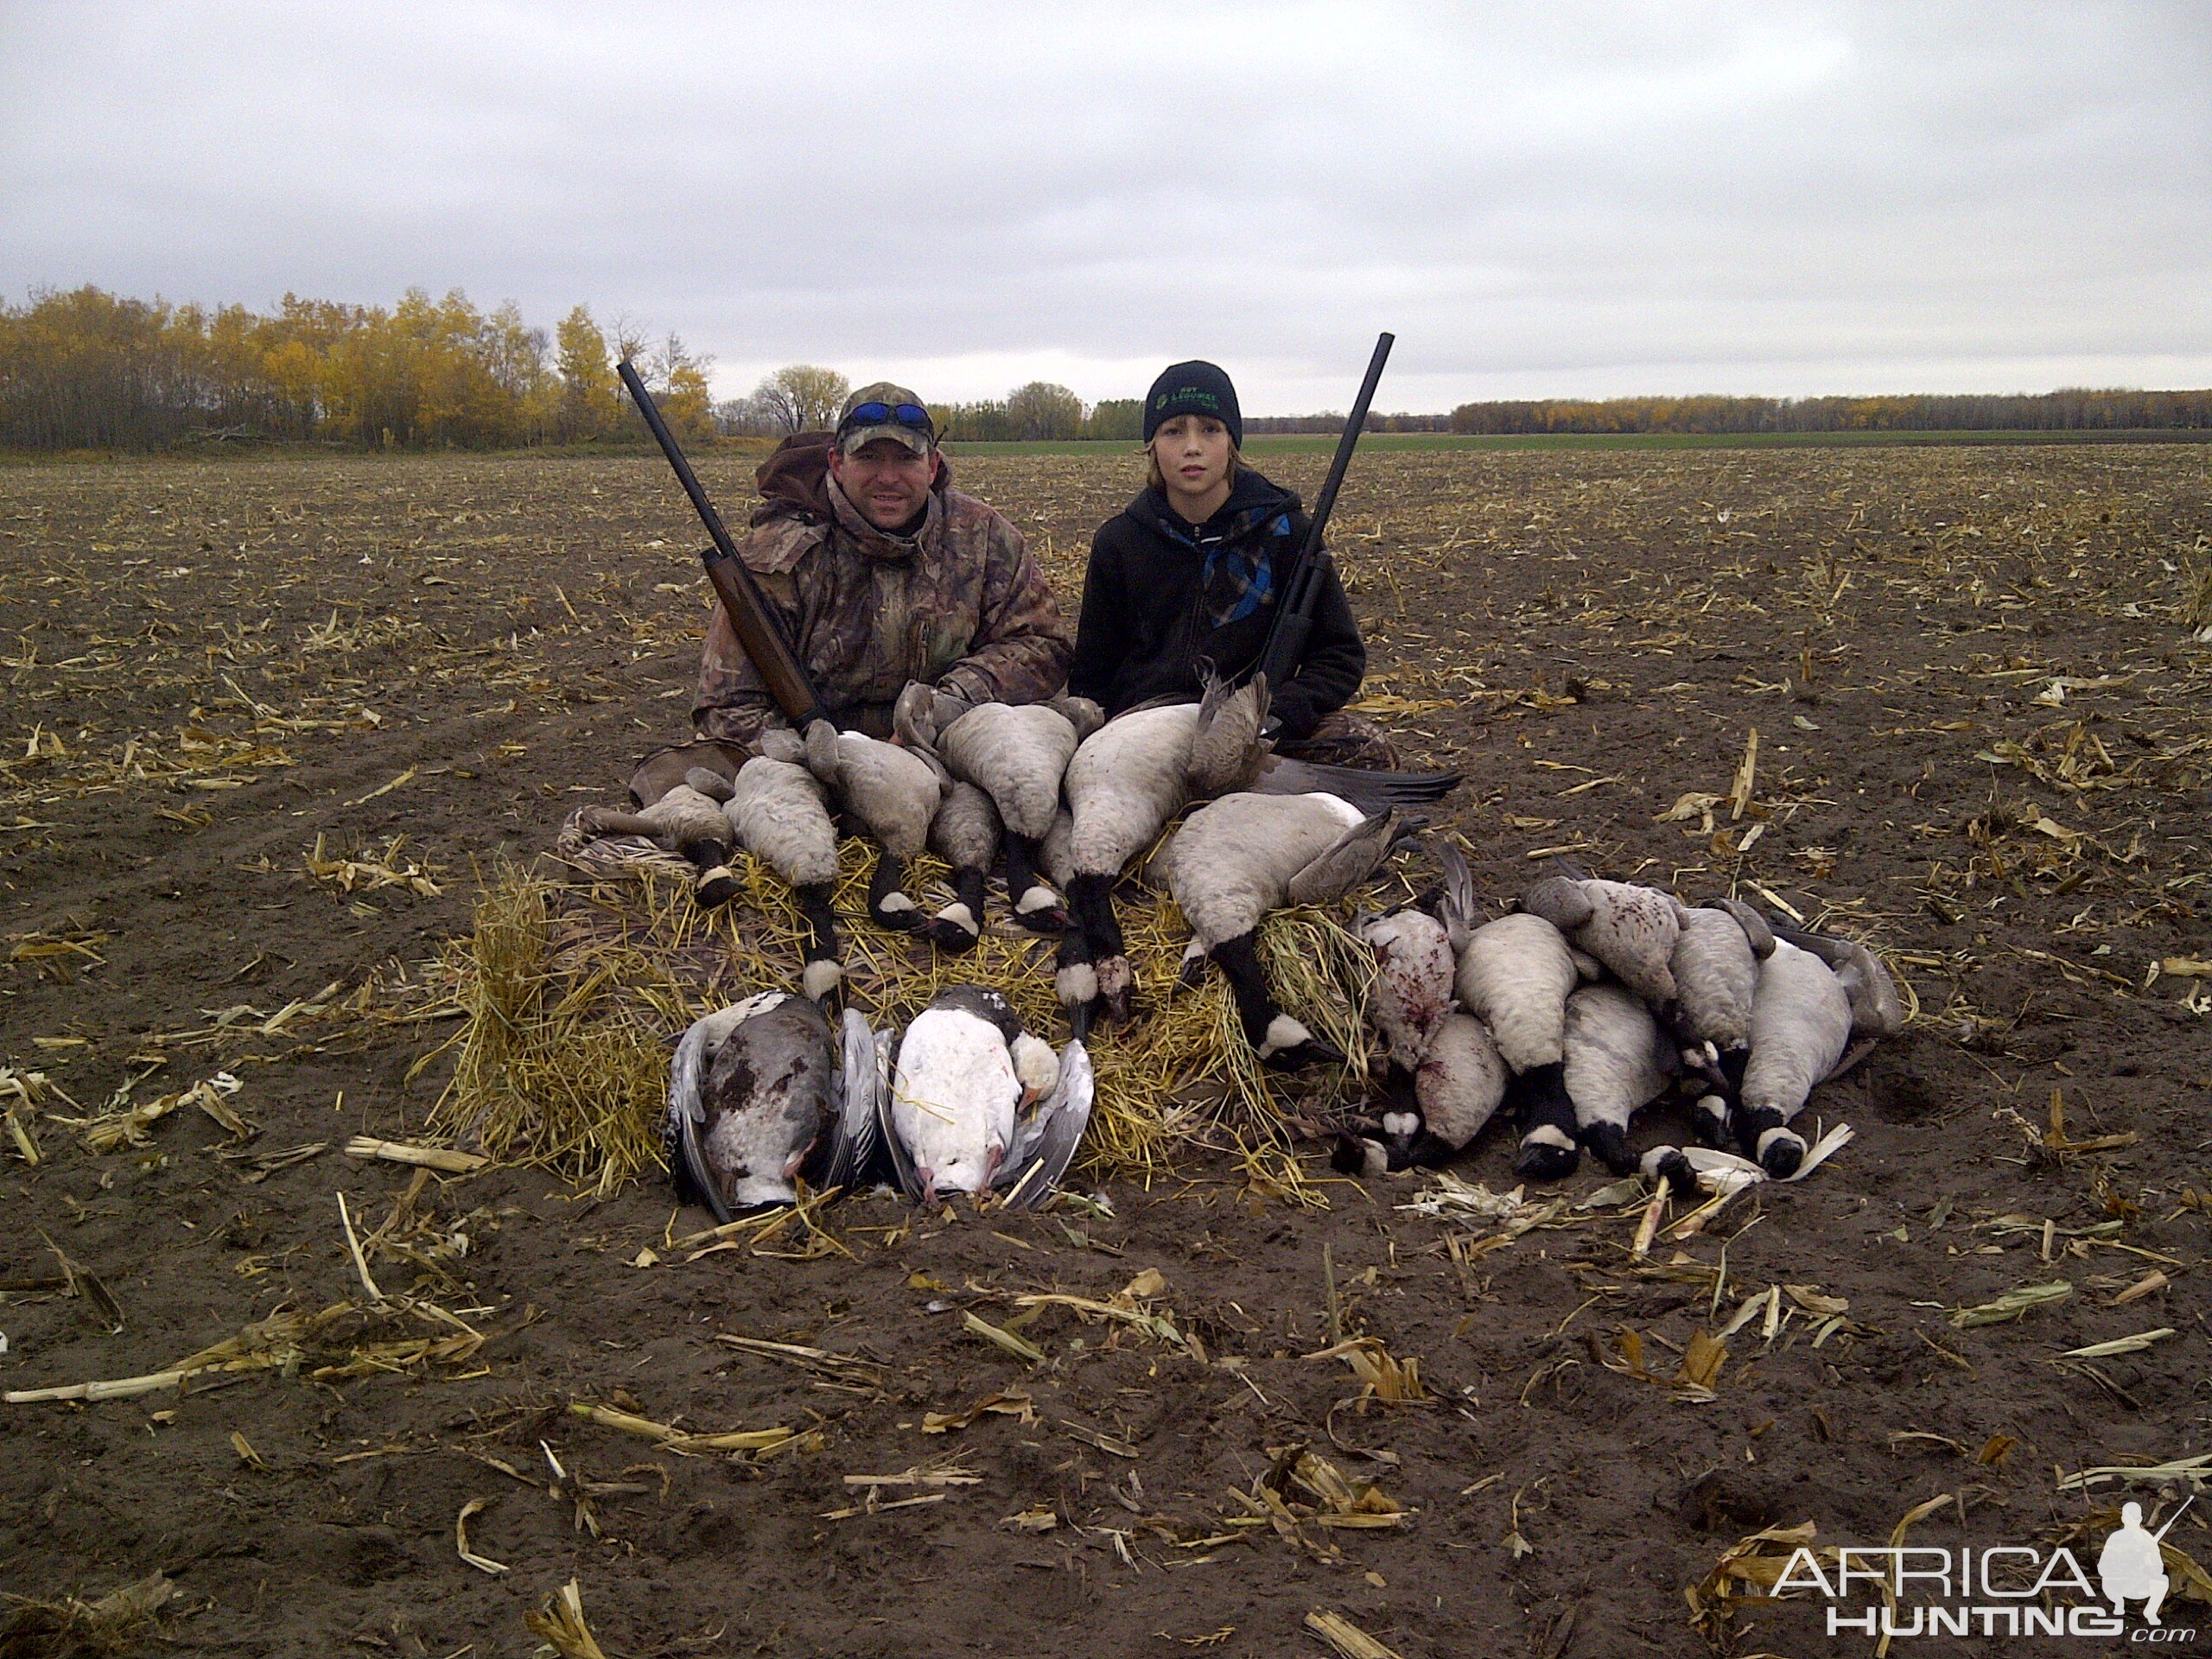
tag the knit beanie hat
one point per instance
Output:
(1194, 388)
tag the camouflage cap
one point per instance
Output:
(853, 435)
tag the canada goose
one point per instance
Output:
(1617, 1059)
(1415, 971)
(1017, 754)
(1876, 1008)
(965, 834)
(1801, 1022)
(1238, 858)
(894, 793)
(776, 807)
(1516, 975)
(1716, 969)
(976, 1102)
(1124, 783)
(1630, 929)
(682, 820)
(761, 1092)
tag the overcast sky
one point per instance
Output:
(1550, 199)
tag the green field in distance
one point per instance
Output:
(1311, 443)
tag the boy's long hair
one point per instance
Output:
(1158, 479)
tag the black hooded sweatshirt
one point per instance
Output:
(1163, 593)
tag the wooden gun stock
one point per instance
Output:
(741, 600)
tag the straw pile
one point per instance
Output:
(576, 987)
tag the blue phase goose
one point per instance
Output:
(763, 1092)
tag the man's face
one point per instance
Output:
(885, 481)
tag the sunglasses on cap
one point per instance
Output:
(907, 415)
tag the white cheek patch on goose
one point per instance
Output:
(821, 978)
(1077, 984)
(1546, 1134)
(1038, 897)
(1773, 1137)
(960, 915)
(894, 901)
(719, 873)
(1400, 1124)
(1283, 1032)
(1114, 976)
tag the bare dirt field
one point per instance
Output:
(227, 690)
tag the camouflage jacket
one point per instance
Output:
(960, 604)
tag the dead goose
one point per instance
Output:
(1126, 780)
(776, 807)
(1801, 1022)
(682, 820)
(1244, 855)
(1716, 970)
(1017, 754)
(1515, 975)
(1630, 929)
(1415, 970)
(1617, 1059)
(976, 1103)
(894, 793)
(760, 1093)
(965, 834)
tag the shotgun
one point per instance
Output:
(1294, 620)
(743, 601)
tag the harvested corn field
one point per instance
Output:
(273, 731)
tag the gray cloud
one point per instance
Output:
(1571, 200)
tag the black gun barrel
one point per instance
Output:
(756, 627)
(1295, 618)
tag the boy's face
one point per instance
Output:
(1192, 451)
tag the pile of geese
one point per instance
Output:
(1589, 1001)
(765, 1091)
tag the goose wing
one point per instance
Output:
(1061, 1123)
(1370, 791)
(902, 1161)
(1458, 910)
(1876, 1008)
(1348, 862)
(682, 1132)
(850, 1139)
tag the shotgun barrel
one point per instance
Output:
(1294, 615)
(743, 601)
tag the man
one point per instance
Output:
(880, 573)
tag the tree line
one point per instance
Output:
(89, 369)
(805, 397)
(86, 369)
(2074, 410)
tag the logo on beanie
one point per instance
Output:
(1198, 395)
